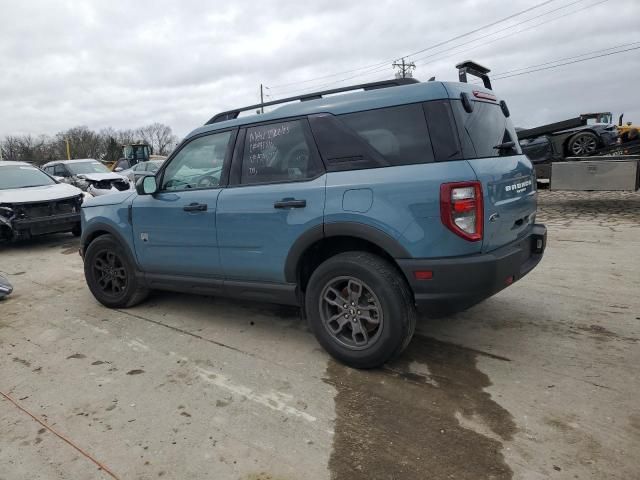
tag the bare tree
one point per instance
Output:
(104, 145)
(159, 137)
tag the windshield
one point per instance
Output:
(23, 176)
(86, 167)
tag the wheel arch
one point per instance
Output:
(98, 230)
(320, 242)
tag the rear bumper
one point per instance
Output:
(471, 279)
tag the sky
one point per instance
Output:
(126, 64)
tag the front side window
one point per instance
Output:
(399, 134)
(277, 152)
(198, 164)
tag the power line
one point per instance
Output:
(566, 63)
(509, 17)
(505, 36)
(479, 29)
(308, 89)
(566, 58)
(512, 26)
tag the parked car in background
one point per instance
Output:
(33, 203)
(357, 207)
(575, 137)
(5, 287)
(141, 169)
(89, 175)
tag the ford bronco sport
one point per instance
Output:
(357, 207)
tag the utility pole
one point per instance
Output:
(405, 68)
(261, 99)
(68, 149)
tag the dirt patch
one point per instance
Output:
(599, 333)
(24, 362)
(77, 356)
(400, 422)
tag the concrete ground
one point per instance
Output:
(540, 381)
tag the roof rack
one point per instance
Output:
(474, 69)
(233, 114)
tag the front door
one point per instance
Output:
(175, 229)
(276, 193)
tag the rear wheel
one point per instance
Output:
(360, 309)
(582, 144)
(110, 275)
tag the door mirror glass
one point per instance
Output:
(118, 169)
(146, 186)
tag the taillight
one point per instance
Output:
(461, 209)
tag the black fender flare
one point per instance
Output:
(103, 227)
(340, 229)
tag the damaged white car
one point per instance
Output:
(89, 175)
(32, 203)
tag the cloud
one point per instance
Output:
(124, 64)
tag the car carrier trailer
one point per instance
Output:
(620, 172)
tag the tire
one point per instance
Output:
(583, 143)
(110, 274)
(380, 317)
(77, 230)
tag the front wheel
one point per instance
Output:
(360, 309)
(110, 275)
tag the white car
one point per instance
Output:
(89, 175)
(141, 169)
(33, 203)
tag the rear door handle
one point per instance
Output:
(290, 203)
(195, 207)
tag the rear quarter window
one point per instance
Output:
(399, 134)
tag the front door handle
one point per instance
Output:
(195, 207)
(290, 203)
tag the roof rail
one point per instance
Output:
(233, 114)
(474, 69)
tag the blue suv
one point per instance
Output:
(358, 207)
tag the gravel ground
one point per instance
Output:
(538, 382)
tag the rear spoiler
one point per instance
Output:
(474, 69)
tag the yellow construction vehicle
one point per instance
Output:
(627, 132)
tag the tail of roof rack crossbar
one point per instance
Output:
(474, 69)
(232, 114)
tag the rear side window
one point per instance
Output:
(442, 127)
(277, 152)
(485, 128)
(398, 134)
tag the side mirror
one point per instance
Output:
(146, 186)
(58, 179)
(118, 169)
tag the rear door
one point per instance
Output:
(276, 193)
(507, 177)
